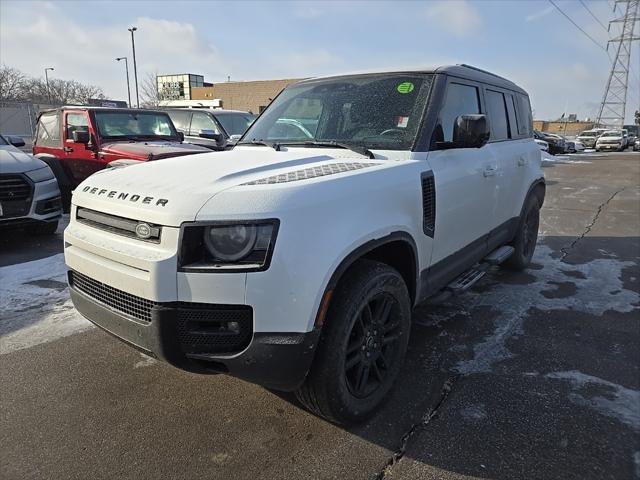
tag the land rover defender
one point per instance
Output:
(294, 260)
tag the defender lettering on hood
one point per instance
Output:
(125, 196)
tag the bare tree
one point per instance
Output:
(60, 91)
(11, 83)
(150, 95)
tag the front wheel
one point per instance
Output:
(362, 347)
(524, 243)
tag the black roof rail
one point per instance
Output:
(483, 71)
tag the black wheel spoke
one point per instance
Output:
(363, 378)
(353, 361)
(376, 371)
(390, 338)
(355, 344)
(390, 327)
(383, 310)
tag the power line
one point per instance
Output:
(577, 26)
(591, 13)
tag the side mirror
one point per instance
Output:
(180, 136)
(471, 131)
(16, 141)
(211, 135)
(233, 139)
(81, 136)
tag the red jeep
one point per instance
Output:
(78, 141)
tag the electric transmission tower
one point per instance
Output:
(612, 108)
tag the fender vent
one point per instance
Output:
(312, 172)
(428, 204)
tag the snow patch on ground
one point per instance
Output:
(35, 304)
(620, 402)
(146, 361)
(590, 290)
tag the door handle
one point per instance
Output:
(522, 161)
(489, 171)
(68, 149)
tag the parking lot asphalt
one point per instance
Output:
(527, 375)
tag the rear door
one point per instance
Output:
(466, 187)
(80, 159)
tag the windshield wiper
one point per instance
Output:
(275, 146)
(330, 143)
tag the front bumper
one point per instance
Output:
(276, 360)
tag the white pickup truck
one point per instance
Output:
(294, 260)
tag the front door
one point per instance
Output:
(80, 159)
(466, 188)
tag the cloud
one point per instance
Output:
(86, 53)
(458, 17)
(539, 14)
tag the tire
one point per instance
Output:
(44, 228)
(526, 237)
(352, 345)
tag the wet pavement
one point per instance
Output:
(527, 375)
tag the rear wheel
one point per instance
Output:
(526, 237)
(362, 347)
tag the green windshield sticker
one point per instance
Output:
(406, 87)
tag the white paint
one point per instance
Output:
(33, 314)
(620, 403)
(512, 302)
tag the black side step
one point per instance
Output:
(467, 279)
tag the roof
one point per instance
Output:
(460, 70)
(92, 107)
(215, 111)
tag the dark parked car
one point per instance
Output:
(214, 129)
(556, 143)
(77, 141)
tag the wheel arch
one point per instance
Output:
(398, 250)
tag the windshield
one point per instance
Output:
(235, 123)
(127, 124)
(589, 134)
(3, 141)
(381, 111)
(612, 133)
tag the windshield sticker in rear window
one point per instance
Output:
(406, 87)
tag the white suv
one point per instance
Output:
(294, 260)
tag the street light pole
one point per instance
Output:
(135, 69)
(46, 78)
(126, 67)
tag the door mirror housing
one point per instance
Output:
(16, 141)
(471, 131)
(81, 136)
(211, 135)
(180, 136)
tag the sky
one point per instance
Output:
(529, 42)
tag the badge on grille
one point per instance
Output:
(143, 230)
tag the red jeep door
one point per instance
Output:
(81, 159)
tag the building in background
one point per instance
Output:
(180, 86)
(251, 96)
(563, 127)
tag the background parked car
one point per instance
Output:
(544, 146)
(611, 140)
(636, 145)
(29, 194)
(588, 138)
(556, 143)
(77, 141)
(11, 143)
(214, 129)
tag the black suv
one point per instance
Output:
(214, 129)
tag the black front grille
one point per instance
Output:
(119, 225)
(14, 188)
(123, 302)
(214, 328)
(44, 207)
(428, 203)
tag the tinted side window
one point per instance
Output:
(202, 121)
(180, 119)
(513, 120)
(525, 120)
(460, 100)
(497, 115)
(48, 129)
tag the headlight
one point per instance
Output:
(228, 246)
(40, 175)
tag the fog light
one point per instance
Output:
(233, 327)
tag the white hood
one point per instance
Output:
(172, 191)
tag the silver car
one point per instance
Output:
(29, 193)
